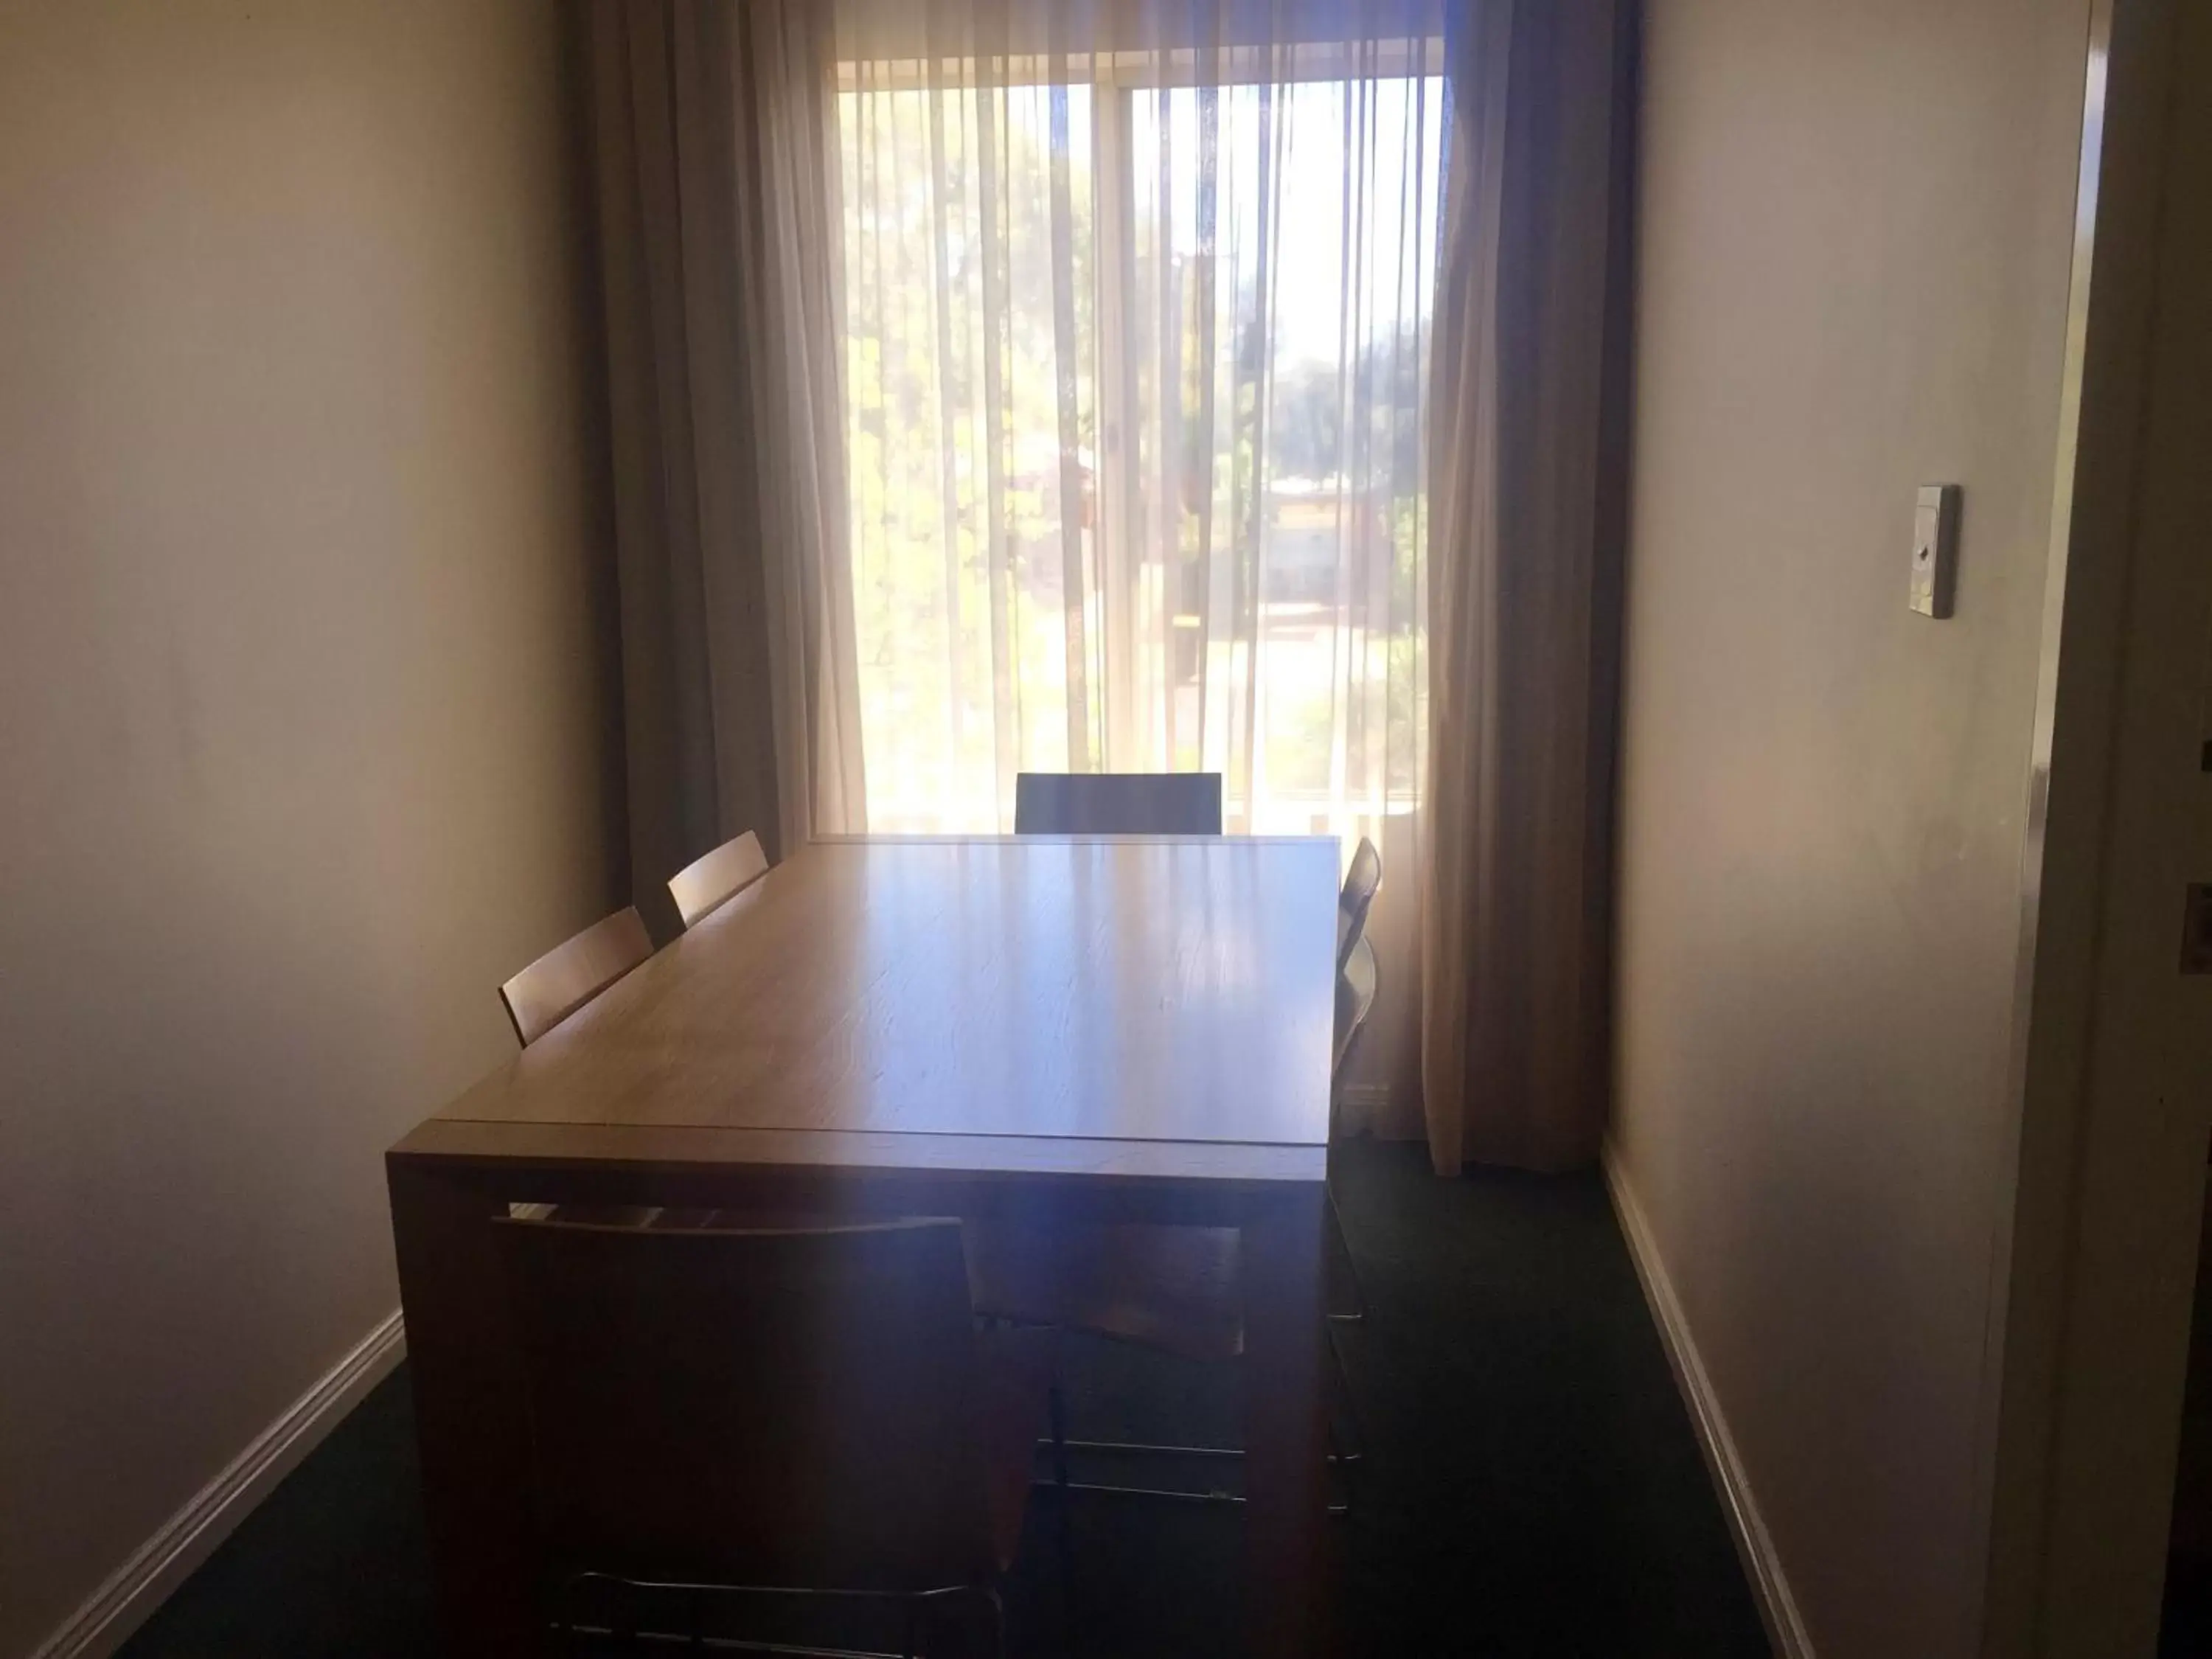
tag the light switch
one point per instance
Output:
(1934, 549)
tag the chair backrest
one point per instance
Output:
(570, 975)
(779, 1408)
(1356, 986)
(1117, 803)
(1361, 882)
(706, 882)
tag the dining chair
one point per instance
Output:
(727, 1420)
(1357, 979)
(1356, 983)
(1361, 882)
(1117, 803)
(1356, 986)
(709, 881)
(570, 975)
(1171, 1287)
(553, 987)
(1175, 1288)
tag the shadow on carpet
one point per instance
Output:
(1531, 1484)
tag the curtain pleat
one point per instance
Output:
(1528, 456)
(716, 212)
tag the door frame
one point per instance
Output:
(2112, 1063)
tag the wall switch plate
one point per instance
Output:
(1934, 549)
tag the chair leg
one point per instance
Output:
(1056, 1408)
(1350, 1457)
(996, 1607)
(1342, 1260)
(1056, 1404)
(1356, 1451)
(622, 1618)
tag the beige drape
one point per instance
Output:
(1529, 461)
(710, 135)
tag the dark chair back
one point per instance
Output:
(1117, 803)
(1361, 882)
(770, 1408)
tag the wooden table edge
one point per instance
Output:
(971, 837)
(878, 1153)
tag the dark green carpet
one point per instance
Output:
(2185, 1630)
(1532, 1484)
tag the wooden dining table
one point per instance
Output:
(1071, 1029)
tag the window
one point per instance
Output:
(1136, 367)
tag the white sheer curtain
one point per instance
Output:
(1135, 309)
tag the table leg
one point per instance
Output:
(475, 1461)
(1289, 1589)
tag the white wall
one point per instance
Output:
(301, 693)
(1854, 255)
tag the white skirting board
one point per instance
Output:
(1777, 1607)
(190, 1536)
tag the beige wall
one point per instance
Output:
(301, 704)
(1854, 245)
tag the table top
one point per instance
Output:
(1121, 1003)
